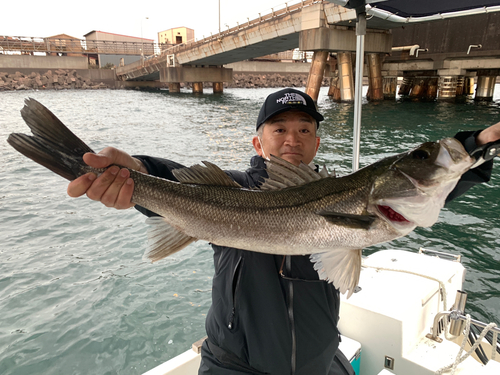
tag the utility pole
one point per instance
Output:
(142, 42)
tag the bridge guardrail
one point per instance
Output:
(80, 46)
(168, 55)
(275, 13)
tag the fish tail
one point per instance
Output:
(342, 268)
(52, 144)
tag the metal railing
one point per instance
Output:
(288, 9)
(78, 46)
(168, 55)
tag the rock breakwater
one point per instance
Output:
(61, 79)
(254, 80)
(51, 80)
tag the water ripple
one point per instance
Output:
(76, 296)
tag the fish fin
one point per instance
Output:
(342, 268)
(52, 145)
(284, 174)
(164, 240)
(324, 172)
(348, 220)
(210, 174)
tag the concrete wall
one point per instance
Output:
(43, 62)
(269, 67)
(40, 64)
(98, 75)
(115, 59)
(24, 65)
(453, 35)
(194, 74)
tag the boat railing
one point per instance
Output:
(456, 323)
(456, 315)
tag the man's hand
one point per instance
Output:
(114, 187)
(489, 135)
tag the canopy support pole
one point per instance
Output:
(358, 86)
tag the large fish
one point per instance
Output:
(297, 210)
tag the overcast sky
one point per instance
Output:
(36, 18)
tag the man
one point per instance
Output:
(270, 314)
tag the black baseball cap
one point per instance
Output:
(285, 100)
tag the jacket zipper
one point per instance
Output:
(290, 315)
(236, 281)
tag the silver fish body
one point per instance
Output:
(313, 217)
(297, 211)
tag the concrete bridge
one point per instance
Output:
(428, 55)
(309, 25)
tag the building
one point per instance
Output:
(64, 45)
(111, 48)
(177, 35)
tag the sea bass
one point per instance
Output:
(296, 211)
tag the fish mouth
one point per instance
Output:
(391, 215)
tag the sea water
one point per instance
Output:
(76, 297)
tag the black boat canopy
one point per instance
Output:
(424, 8)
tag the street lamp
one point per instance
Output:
(142, 41)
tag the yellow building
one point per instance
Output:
(177, 35)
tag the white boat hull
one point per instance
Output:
(384, 325)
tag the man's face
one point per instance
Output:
(289, 135)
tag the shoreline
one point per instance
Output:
(63, 79)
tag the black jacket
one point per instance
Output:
(264, 322)
(256, 314)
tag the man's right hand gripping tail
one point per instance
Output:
(114, 187)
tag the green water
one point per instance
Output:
(76, 296)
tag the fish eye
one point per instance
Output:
(420, 155)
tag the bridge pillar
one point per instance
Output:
(460, 85)
(469, 86)
(375, 87)
(346, 76)
(405, 87)
(334, 89)
(196, 75)
(418, 88)
(485, 88)
(447, 87)
(461, 96)
(389, 85)
(218, 87)
(198, 87)
(432, 88)
(316, 73)
(174, 87)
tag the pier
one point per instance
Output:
(309, 26)
(440, 59)
(433, 59)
